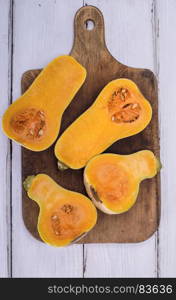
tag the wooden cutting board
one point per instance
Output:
(89, 48)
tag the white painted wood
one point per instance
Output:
(129, 28)
(42, 30)
(4, 148)
(120, 260)
(167, 85)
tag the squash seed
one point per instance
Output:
(134, 105)
(40, 133)
(31, 131)
(54, 217)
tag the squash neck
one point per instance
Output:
(41, 187)
(144, 164)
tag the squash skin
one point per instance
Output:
(58, 227)
(50, 93)
(112, 181)
(97, 128)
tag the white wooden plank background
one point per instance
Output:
(139, 33)
(5, 87)
(167, 84)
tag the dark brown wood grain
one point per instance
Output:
(89, 48)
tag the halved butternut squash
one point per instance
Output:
(119, 111)
(33, 120)
(112, 181)
(65, 216)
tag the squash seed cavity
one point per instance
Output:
(29, 124)
(120, 109)
(67, 208)
(61, 220)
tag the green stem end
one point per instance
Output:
(61, 166)
(27, 182)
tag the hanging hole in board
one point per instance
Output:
(89, 24)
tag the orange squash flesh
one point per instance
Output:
(119, 111)
(65, 216)
(112, 180)
(33, 120)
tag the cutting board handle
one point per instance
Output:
(85, 40)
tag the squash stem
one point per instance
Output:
(27, 182)
(61, 166)
(159, 165)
